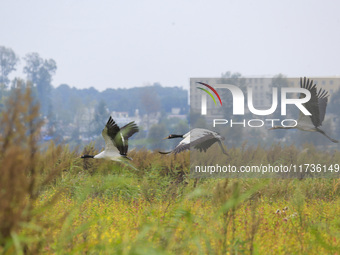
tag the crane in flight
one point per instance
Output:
(316, 106)
(198, 138)
(116, 141)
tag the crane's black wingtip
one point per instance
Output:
(110, 122)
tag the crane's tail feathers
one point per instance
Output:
(164, 152)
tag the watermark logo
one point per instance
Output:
(250, 110)
(239, 100)
(208, 92)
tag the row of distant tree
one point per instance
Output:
(63, 104)
(39, 72)
(148, 99)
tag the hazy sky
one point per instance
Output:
(111, 44)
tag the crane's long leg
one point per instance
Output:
(220, 144)
(323, 132)
(126, 162)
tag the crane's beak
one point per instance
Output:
(166, 138)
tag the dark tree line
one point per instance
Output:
(64, 101)
(147, 100)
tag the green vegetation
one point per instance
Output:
(53, 202)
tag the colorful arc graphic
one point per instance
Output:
(212, 90)
(209, 94)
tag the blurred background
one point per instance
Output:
(133, 60)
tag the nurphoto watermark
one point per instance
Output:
(254, 127)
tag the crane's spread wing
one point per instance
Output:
(182, 146)
(322, 99)
(116, 139)
(317, 103)
(121, 138)
(109, 132)
(129, 129)
(205, 143)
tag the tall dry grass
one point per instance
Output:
(22, 173)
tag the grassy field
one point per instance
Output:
(53, 202)
(100, 207)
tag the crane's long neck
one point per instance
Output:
(282, 127)
(87, 156)
(176, 136)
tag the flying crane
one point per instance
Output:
(198, 138)
(116, 141)
(316, 106)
